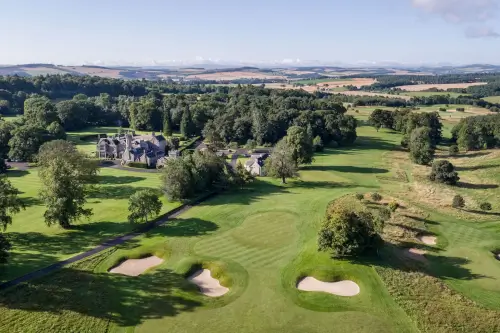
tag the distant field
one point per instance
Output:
(432, 93)
(422, 87)
(221, 76)
(492, 99)
(367, 93)
(96, 71)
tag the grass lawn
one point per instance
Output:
(36, 245)
(9, 118)
(260, 241)
(492, 99)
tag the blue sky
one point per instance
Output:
(349, 31)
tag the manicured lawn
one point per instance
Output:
(261, 240)
(36, 245)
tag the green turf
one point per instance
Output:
(260, 241)
(431, 93)
(492, 99)
(36, 245)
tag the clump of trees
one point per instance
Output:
(66, 176)
(144, 204)
(478, 132)
(347, 232)
(10, 204)
(444, 172)
(186, 177)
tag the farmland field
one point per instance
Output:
(422, 87)
(492, 99)
(431, 93)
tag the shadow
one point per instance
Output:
(420, 232)
(420, 219)
(118, 180)
(476, 186)
(31, 201)
(114, 192)
(476, 154)
(100, 299)
(346, 168)
(17, 173)
(476, 167)
(481, 212)
(34, 250)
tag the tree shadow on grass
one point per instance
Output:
(421, 219)
(16, 173)
(35, 250)
(476, 167)
(31, 201)
(115, 180)
(481, 212)
(342, 168)
(477, 186)
(114, 192)
(476, 154)
(121, 300)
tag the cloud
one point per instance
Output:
(460, 11)
(472, 13)
(481, 32)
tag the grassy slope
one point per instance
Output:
(35, 245)
(492, 99)
(265, 238)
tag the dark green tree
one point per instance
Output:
(301, 144)
(39, 111)
(444, 172)
(167, 125)
(421, 148)
(65, 175)
(25, 142)
(187, 126)
(142, 205)
(458, 201)
(56, 131)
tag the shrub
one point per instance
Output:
(453, 150)
(138, 165)
(384, 214)
(444, 172)
(485, 206)
(442, 109)
(460, 109)
(458, 201)
(233, 145)
(393, 206)
(360, 196)
(318, 144)
(376, 197)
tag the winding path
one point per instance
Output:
(106, 245)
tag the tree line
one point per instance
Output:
(244, 114)
(478, 132)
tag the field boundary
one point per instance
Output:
(160, 220)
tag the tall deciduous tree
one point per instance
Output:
(25, 142)
(177, 179)
(301, 144)
(142, 205)
(10, 204)
(281, 164)
(65, 174)
(421, 148)
(39, 111)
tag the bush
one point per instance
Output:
(485, 206)
(318, 144)
(458, 201)
(443, 109)
(393, 206)
(233, 145)
(384, 214)
(453, 150)
(460, 109)
(360, 196)
(376, 197)
(444, 172)
(138, 165)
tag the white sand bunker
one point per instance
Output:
(428, 240)
(416, 254)
(208, 285)
(135, 267)
(498, 256)
(340, 288)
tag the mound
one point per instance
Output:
(340, 288)
(416, 254)
(135, 267)
(428, 240)
(208, 285)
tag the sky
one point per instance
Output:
(167, 32)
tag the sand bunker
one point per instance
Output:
(416, 254)
(497, 256)
(208, 285)
(135, 267)
(340, 288)
(428, 240)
